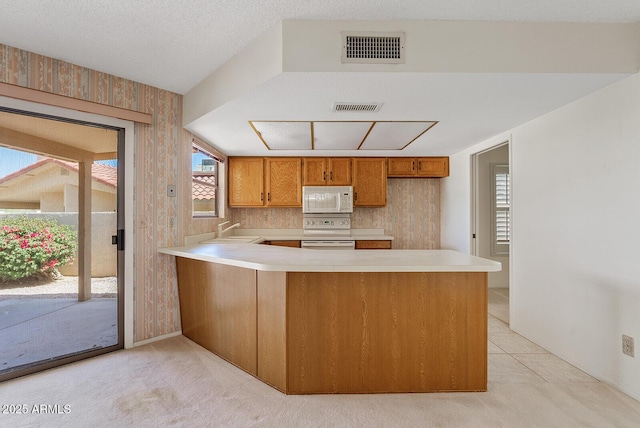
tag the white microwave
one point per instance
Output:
(327, 199)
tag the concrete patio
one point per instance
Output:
(45, 325)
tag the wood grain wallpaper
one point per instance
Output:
(162, 151)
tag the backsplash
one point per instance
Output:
(411, 216)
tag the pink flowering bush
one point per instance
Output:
(32, 245)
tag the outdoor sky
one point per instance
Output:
(13, 160)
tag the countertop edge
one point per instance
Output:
(191, 252)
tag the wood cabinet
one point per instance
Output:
(326, 172)
(259, 182)
(428, 167)
(363, 244)
(283, 183)
(284, 243)
(246, 182)
(369, 182)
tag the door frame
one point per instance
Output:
(475, 189)
(126, 189)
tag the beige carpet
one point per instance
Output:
(177, 383)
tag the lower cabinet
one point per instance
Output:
(287, 243)
(373, 245)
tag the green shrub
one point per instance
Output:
(32, 245)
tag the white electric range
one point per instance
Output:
(327, 232)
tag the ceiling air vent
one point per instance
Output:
(372, 48)
(365, 107)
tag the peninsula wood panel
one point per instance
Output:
(386, 332)
(272, 329)
(218, 307)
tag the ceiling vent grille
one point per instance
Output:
(373, 48)
(363, 107)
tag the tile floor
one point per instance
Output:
(499, 303)
(514, 359)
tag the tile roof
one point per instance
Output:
(103, 173)
(203, 186)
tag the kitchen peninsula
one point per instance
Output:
(308, 321)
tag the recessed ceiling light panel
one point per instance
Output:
(278, 135)
(394, 135)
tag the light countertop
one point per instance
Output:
(284, 259)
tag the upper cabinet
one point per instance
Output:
(246, 182)
(326, 172)
(429, 167)
(369, 182)
(284, 182)
(265, 182)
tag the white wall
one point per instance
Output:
(575, 286)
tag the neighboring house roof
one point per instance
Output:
(103, 173)
(204, 186)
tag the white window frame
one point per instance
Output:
(500, 207)
(201, 148)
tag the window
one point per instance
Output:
(205, 167)
(501, 212)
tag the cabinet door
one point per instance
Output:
(314, 171)
(284, 182)
(370, 182)
(339, 171)
(294, 244)
(433, 167)
(246, 182)
(373, 245)
(402, 167)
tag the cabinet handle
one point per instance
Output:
(261, 196)
(324, 175)
(331, 176)
(269, 197)
(419, 165)
(413, 165)
(355, 196)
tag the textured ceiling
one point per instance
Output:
(175, 44)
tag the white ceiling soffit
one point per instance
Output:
(373, 135)
(179, 43)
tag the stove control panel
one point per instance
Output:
(326, 222)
